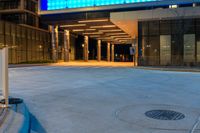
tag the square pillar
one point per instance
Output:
(135, 46)
(99, 50)
(85, 49)
(113, 53)
(66, 46)
(54, 42)
(22, 4)
(108, 52)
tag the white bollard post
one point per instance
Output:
(4, 73)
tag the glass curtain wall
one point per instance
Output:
(25, 44)
(169, 42)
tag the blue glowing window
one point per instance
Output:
(64, 4)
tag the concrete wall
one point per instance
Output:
(157, 14)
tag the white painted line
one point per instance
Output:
(195, 125)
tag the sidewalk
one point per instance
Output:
(111, 64)
(170, 68)
(27, 65)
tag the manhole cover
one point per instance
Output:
(164, 115)
(12, 101)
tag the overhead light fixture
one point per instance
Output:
(73, 25)
(119, 33)
(104, 38)
(115, 30)
(121, 36)
(90, 29)
(92, 33)
(104, 26)
(124, 38)
(95, 36)
(78, 30)
(92, 21)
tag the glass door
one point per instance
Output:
(165, 49)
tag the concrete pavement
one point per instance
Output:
(106, 100)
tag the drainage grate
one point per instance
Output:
(164, 115)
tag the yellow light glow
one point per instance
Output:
(123, 38)
(92, 33)
(120, 36)
(92, 21)
(104, 26)
(104, 38)
(90, 29)
(78, 30)
(110, 34)
(110, 30)
(95, 36)
(73, 25)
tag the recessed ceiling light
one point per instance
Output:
(110, 30)
(78, 30)
(92, 33)
(73, 25)
(91, 21)
(119, 33)
(104, 26)
(90, 29)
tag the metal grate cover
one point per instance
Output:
(164, 115)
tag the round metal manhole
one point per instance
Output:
(12, 101)
(164, 115)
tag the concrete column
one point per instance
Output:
(113, 53)
(135, 56)
(99, 50)
(85, 49)
(136, 53)
(108, 51)
(54, 42)
(66, 46)
(22, 4)
(4, 74)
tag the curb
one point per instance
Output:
(170, 69)
(17, 120)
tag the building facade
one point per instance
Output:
(159, 32)
(20, 31)
(20, 11)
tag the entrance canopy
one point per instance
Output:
(94, 18)
(99, 29)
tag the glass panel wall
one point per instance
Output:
(25, 44)
(165, 49)
(189, 48)
(169, 42)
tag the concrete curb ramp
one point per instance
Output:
(17, 120)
